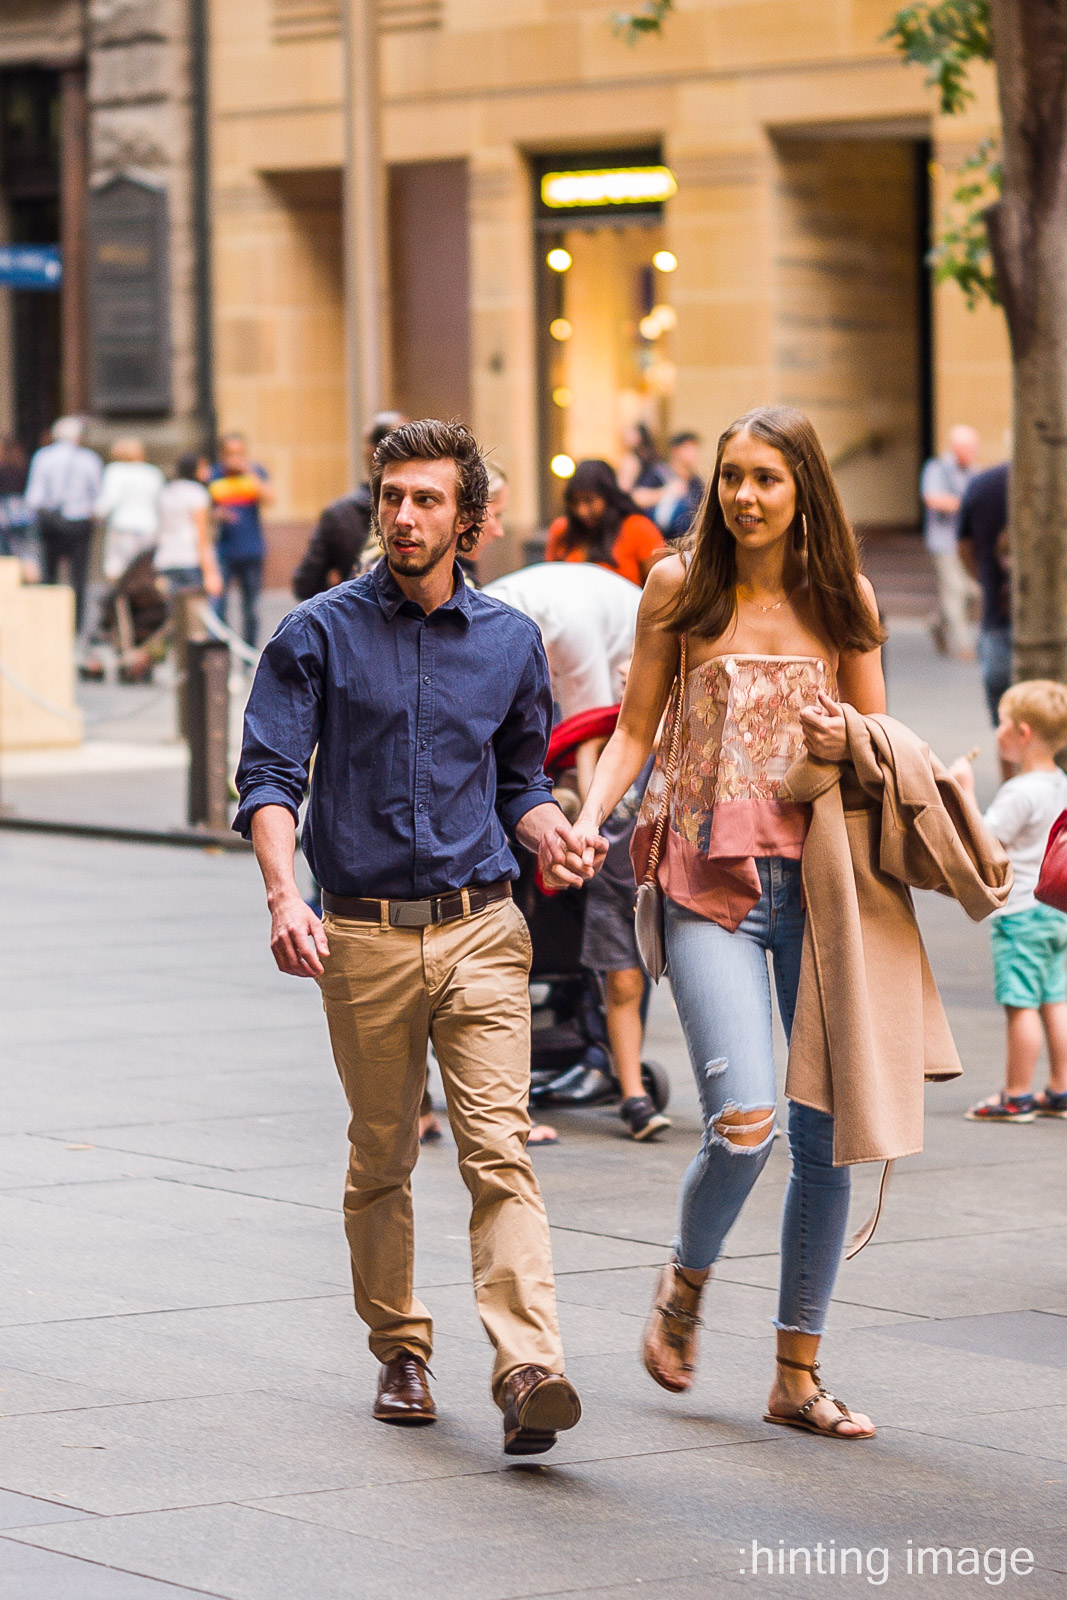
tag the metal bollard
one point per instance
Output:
(207, 718)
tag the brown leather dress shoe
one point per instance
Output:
(403, 1393)
(537, 1405)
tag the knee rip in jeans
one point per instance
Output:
(741, 1131)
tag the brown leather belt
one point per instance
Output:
(417, 913)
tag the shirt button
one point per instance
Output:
(425, 745)
(425, 680)
(421, 806)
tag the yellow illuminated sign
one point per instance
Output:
(610, 186)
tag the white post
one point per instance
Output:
(366, 304)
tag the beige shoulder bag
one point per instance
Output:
(648, 907)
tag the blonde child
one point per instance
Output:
(1029, 939)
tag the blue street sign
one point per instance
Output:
(30, 266)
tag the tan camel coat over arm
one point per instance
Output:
(870, 1026)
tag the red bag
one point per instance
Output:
(1052, 883)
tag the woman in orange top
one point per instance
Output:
(603, 525)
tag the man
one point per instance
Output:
(588, 618)
(983, 532)
(335, 547)
(680, 501)
(62, 489)
(944, 480)
(238, 490)
(430, 706)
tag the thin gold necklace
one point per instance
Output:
(778, 604)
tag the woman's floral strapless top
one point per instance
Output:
(740, 734)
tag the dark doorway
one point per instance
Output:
(29, 201)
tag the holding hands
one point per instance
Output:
(567, 856)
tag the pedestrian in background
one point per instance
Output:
(983, 548)
(341, 535)
(679, 503)
(1029, 939)
(642, 470)
(239, 489)
(944, 482)
(62, 489)
(185, 550)
(587, 618)
(430, 706)
(128, 506)
(602, 524)
(16, 518)
(493, 527)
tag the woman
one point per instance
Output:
(602, 524)
(185, 555)
(642, 471)
(128, 505)
(778, 627)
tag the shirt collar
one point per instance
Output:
(391, 597)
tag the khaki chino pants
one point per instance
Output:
(386, 992)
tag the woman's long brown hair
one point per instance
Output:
(707, 602)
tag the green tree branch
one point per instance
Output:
(648, 18)
(944, 38)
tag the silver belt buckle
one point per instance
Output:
(411, 913)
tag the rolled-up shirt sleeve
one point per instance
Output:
(521, 741)
(283, 720)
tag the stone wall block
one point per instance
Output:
(148, 138)
(120, 21)
(145, 70)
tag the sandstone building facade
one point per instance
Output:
(98, 156)
(806, 167)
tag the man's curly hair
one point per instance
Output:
(431, 440)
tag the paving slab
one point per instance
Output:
(27, 1572)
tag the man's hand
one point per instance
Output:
(824, 729)
(297, 937)
(567, 858)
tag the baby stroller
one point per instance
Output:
(571, 1061)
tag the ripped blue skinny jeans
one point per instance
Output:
(722, 991)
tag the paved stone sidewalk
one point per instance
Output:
(185, 1389)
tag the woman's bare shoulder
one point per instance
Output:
(665, 580)
(867, 591)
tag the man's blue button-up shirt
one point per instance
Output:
(431, 734)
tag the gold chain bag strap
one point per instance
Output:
(648, 907)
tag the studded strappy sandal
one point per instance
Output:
(675, 1312)
(801, 1417)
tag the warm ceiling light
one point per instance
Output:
(666, 316)
(562, 466)
(649, 327)
(559, 260)
(562, 397)
(560, 328)
(610, 186)
(665, 261)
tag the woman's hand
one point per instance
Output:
(212, 582)
(824, 729)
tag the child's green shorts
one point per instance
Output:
(1030, 957)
